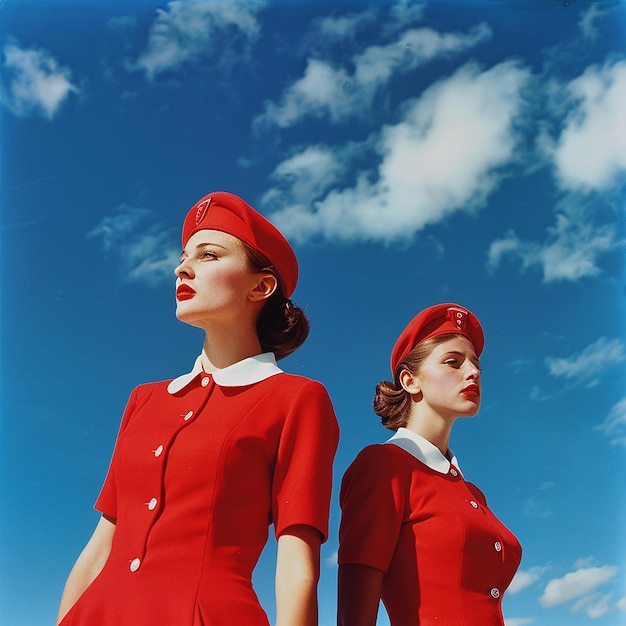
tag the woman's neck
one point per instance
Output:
(222, 349)
(433, 428)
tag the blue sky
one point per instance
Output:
(414, 153)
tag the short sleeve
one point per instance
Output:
(107, 500)
(373, 499)
(302, 481)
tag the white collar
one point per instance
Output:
(251, 370)
(423, 450)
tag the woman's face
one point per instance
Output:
(214, 280)
(449, 379)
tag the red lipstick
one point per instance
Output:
(471, 391)
(184, 292)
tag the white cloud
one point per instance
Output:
(586, 365)
(308, 173)
(590, 153)
(36, 83)
(406, 11)
(576, 584)
(614, 424)
(518, 621)
(339, 28)
(571, 251)
(525, 578)
(338, 93)
(547, 485)
(439, 159)
(588, 19)
(332, 559)
(116, 228)
(124, 23)
(537, 507)
(584, 562)
(589, 159)
(145, 250)
(188, 31)
(595, 605)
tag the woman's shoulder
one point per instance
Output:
(380, 458)
(297, 383)
(378, 472)
(148, 389)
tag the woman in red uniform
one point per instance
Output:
(413, 531)
(204, 463)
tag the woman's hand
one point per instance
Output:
(297, 575)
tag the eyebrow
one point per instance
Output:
(457, 352)
(201, 246)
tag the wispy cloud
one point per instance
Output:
(309, 173)
(572, 250)
(337, 29)
(145, 250)
(590, 17)
(590, 152)
(587, 153)
(595, 605)
(525, 578)
(331, 559)
(339, 93)
(614, 424)
(518, 621)
(437, 160)
(579, 585)
(194, 30)
(538, 506)
(588, 364)
(34, 82)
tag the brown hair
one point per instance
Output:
(391, 401)
(282, 327)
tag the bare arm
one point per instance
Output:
(88, 565)
(297, 575)
(359, 592)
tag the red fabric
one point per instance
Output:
(228, 213)
(437, 550)
(246, 457)
(440, 319)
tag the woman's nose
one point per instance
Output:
(183, 270)
(473, 371)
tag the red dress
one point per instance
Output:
(446, 558)
(201, 468)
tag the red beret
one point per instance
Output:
(440, 319)
(230, 214)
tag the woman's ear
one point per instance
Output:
(409, 382)
(263, 288)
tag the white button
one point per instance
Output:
(205, 382)
(495, 593)
(498, 546)
(158, 451)
(453, 472)
(134, 565)
(152, 504)
(188, 416)
(474, 504)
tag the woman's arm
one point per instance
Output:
(359, 592)
(88, 565)
(297, 574)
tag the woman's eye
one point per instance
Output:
(209, 255)
(451, 362)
